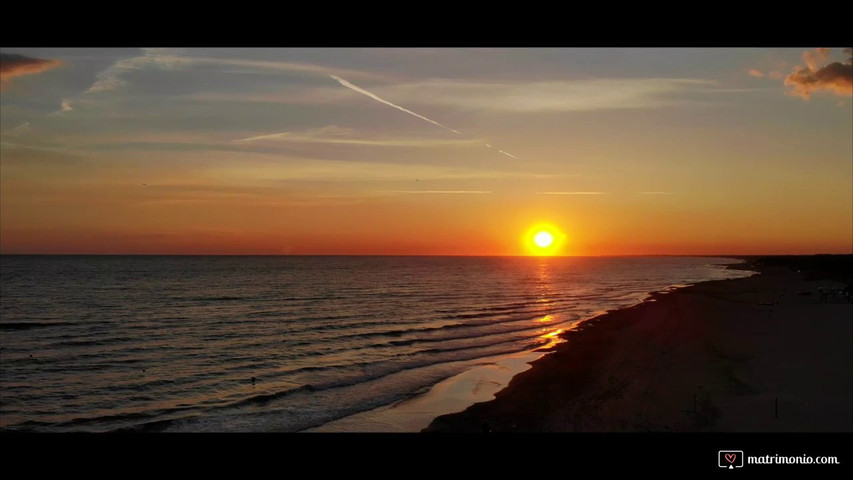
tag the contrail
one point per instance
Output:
(386, 102)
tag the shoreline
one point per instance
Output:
(759, 353)
(477, 384)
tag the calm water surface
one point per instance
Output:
(99, 343)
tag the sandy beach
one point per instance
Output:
(760, 354)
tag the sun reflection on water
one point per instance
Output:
(553, 338)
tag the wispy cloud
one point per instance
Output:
(168, 59)
(572, 95)
(333, 134)
(263, 168)
(454, 192)
(13, 65)
(116, 76)
(152, 58)
(530, 97)
(113, 77)
(21, 129)
(276, 66)
(328, 133)
(64, 107)
(656, 193)
(835, 77)
(256, 195)
(774, 74)
(571, 193)
(307, 95)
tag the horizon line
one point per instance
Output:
(732, 255)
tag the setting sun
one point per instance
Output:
(544, 239)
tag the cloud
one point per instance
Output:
(557, 96)
(328, 133)
(275, 66)
(454, 192)
(167, 59)
(836, 77)
(151, 58)
(21, 129)
(571, 193)
(333, 134)
(386, 102)
(64, 106)
(267, 171)
(819, 55)
(114, 77)
(656, 193)
(308, 95)
(772, 68)
(13, 65)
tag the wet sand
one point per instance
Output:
(754, 354)
(477, 384)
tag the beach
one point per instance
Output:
(759, 354)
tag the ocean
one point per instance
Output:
(283, 343)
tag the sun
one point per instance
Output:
(544, 239)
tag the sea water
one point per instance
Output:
(283, 343)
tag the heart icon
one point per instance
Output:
(730, 457)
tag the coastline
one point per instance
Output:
(453, 394)
(477, 384)
(760, 353)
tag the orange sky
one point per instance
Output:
(262, 152)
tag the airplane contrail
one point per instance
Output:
(386, 102)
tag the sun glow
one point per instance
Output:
(544, 240)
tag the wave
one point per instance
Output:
(204, 328)
(31, 325)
